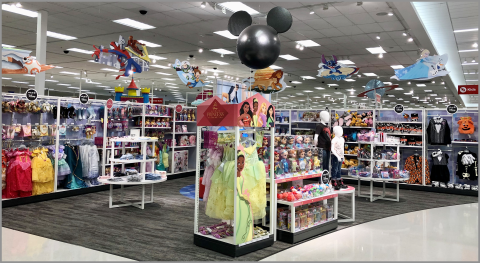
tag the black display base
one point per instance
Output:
(230, 249)
(293, 238)
(415, 187)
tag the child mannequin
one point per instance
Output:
(322, 138)
(337, 158)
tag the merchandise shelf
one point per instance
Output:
(183, 146)
(295, 178)
(459, 142)
(131, 161)
(181, 133)
(186, 121)
(282, 123)
(306, 122)
(406, 146)
(308, 201)
(401, 122)
(407, 134)
(118, 148)
(378, 160)
(307, 228)
(157, 116)
(132, 140)
(352, 155)
(138, 127)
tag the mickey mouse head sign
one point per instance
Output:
(258, 46)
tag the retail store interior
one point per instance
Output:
(239, 131)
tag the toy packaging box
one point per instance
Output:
(180, 159)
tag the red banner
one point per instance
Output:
(467, 89)
(156, 100)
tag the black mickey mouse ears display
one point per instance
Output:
(278, 18)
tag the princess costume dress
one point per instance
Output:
(74, 180)
(43, 174)
(244, 217)
(214, 160)
(19, 174)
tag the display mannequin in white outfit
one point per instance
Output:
(338, 144)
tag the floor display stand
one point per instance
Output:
(349, 191)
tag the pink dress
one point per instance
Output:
(214, 160)
(19, 174)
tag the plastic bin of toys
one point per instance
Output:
(390, 173)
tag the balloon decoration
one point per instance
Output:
(375, 86)
(189, 75)
(426, 67)
(17, 61)
(266, 81)
(332, 69)
(126, 56)
(258, 46)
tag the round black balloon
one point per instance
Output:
(280, 19)
(258, 46)
(238, 22)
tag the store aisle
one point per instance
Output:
(445, 234)
(20, 246)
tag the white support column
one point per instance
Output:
(41, 53)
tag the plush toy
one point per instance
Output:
(465, 125)
(336, 120)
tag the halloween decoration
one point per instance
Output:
(332, 69)
(465, 125)
(258, 46)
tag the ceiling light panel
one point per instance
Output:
(132, 23)
(218, 62)
(397, 66)
(225, 33)
(346, 62)
(238, 6)
(222, 51)
(80, 50)
(20, 11)
(149, 44)
(376, 50)
(370, 74)
(59, 36)
(308, 43)
(288, 57)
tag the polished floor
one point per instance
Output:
(439, 234)
(20, 246)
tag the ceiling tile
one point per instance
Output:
(371, 28)
(391, 26)
(331, 32)
(318, 23)
(350, 30)
(338, 21)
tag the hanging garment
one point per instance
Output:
(19, 174)
(244, 217)
(63, 168)
(414, 166)
(90, 158)
(4, 168)
(440, 172)
(75, 179)
(214, 160)
(438, 132)
(43, 174)
(467, 167)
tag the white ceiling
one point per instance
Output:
(344, 30)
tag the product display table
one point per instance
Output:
(382, 197)
(140, 204)
(350, 190)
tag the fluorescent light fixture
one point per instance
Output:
(475, 63)
(222, 51)
(465, 30)
(397, 66)
(104, 87)
(468, 50)
(29, 75)
(238, 6)
(20, 11)
(428, 90)
(471, 80)
(307, 77)
(4, 45)
(376, 50)
(320, 88)
(59, 36)
(172, 87)
(159, 66)
(149, 44)
(438, 98)
(333, 85)
(398, 88)
(349, 80)
(288, 57)
(51, 80)
(33, 86)
(308, 43)
(421, 85)
(20, 82)
(6, 78)
(370, 74)
(68, 72)
(346, 62)
(162, 73)
(409, 93)
(390, 95)
(399, 99)
(218, 62)
(352, 96)
(73, 88)
(63, 84)
(80, 50)
(225, 33)
(156, 57)
(168, 79)
(275, 67)
(338, 92)
(110, 69)
(296, 82)
(300, 94)
(132, 23)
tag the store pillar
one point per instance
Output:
(41, 53)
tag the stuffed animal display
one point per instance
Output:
(353, 119)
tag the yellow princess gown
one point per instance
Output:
(43, 174)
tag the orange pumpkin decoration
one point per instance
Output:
(465, 125)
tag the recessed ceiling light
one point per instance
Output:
(352, 96)
(475, 63)
(410, 39)
(159, 66)
(108, 69)
(275, 67)
(225, 33)
(399, 99)
(132, 23)
(338, 92)
(238, 6)
(409, 93)
(73, 88)
(80, 50)
(162, 73)
(346, 62)
(20, 82)
(296, 82)
(168, 79)
(288, 57)
(68, 72)
(307, 77)
(320, 88)
(471, 80)
(433, 95)
(29, 75)
(349, 80)
(333, 85)
(222, 51)
(218, 62)
(421, 85)
(156, 57)
(376, 50)
(370, 74)
(308, 43)
(390, 95)
(6, 78)
(428, 90)
(149, 44)
(51, 80)
(20, 11)
(465, 30)
(468, 50)
(10, 46)
(475, 45)
(59, 36)
(398, 88)
(397, 66)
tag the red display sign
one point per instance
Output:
(156, 100)
(467, 89)
(109, 103)
(178, 108)
(378, 97)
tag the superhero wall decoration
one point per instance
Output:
(258, 46)
(17, 61)
(332, 69)
(126, 56)
(189, 75)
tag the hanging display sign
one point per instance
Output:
(109, 103)
(178, 108)
(334, 70)
(31, 95)
(452, 108)
(378, 98)
(398, 108)
(266, 81)
(467, 89)
(156, 100)
(83, 98)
